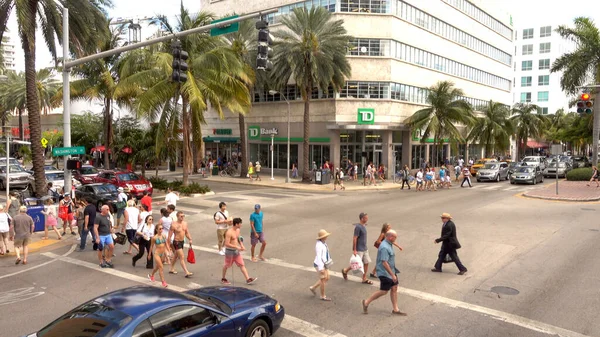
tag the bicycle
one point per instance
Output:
(228, 171)
(398, 177)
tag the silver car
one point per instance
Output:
(527, 175)
(493, 172)
(18, 177)
(551, 170)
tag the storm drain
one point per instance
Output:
(501, 290)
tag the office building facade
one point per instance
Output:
(398, 50)
(8, 52)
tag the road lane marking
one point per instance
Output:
(290, 323)
(18, 295)
(495, 314)
(39, 265)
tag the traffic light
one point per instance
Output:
(264, 46)
(585, 105)
(180, 67)
(73, 164)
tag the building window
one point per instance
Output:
(369, 47)
(526, 65)
(544, 80)
(527, 49)
(416, 16)
(525, 97)
(545, 31)
(418, 156)
(542, 96)
(526, 81)
(544, 64)
(544, 47)
(542, 110)
(365, 6)
(285, 10)
(484, 18)
(528, 33)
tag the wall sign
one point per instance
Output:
(254, 132)
(366, 116)
(228, 132)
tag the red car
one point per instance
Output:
(126, 179)
(86, 174)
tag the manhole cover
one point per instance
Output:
(504, 290)
(588, 209)
(594, 230)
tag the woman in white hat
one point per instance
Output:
(322, 263)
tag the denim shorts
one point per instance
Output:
(105, 240)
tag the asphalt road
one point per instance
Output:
(546, 251)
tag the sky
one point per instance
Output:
(122, 8)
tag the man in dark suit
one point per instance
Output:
(449, 245)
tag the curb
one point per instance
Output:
(592, 199)
(309, 187)
(36, 246)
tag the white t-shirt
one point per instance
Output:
(171, 198)
(143, 216)
(355, 169)
(219, 216)
(132, 221)
(166, 223)
(419, 176)
(461, 162)
(4, 227)
(122, 197)
(146, 231)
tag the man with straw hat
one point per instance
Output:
(322, 263)
(449, 245)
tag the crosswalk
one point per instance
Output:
(503, 187)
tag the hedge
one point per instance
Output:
(580, 174)
(177, 185)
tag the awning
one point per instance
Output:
(221, 139)
(535, 144)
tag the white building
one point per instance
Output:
(8, 52)
(536, 49)
(401, 47)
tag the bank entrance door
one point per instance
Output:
(374, 153)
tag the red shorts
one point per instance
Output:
(229, 260)
(69, 217)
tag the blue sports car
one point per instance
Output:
(145, 311)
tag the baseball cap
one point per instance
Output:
(362, 215)
(257, 206)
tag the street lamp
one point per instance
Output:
(273, 92)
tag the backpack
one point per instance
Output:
(55, 194)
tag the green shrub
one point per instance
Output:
(580, 174)
(194, 188)
(176, 185)
(159, 183)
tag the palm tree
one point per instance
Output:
(15, 93)
(98, 80)
(582, 65)
(215, 76)
(492, 128)
(527, 123)
(87, 25)
(244, 44)
(443, 117)
(311, 51)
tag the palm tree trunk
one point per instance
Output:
(33, 109)
(244, 157)
(305, 144)
(187, 146)
(156, 163)
(20, 111)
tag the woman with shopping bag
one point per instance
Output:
(322, 264)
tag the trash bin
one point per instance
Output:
(172, 166)
(35, 207)
(325, 177)
(215, 171)
(318, 178)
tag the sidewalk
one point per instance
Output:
(36, 243)
(567, 191)
(296, 184)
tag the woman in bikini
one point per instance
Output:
(161, 249)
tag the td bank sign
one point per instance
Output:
(255, 132)
(366, 116)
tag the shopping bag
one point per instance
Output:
(62, 212)
(191, 257)
(356, 265)
(121, 238)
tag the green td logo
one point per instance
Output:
(366, 116)
(253, 132)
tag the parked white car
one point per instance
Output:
(535, 161)
(57, 178)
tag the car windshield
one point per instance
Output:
(579, 158)
(108, 188)
(513, 165)
(525, 169)
(491, 166)
(55, 176)
(128, 176)
(92, 319)
(13, 169)
(560, 164)
(530, 159)
(88, 170)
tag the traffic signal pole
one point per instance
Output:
(67, 65)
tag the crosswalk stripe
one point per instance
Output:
(290, 323)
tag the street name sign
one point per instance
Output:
(67, 151)
(226, 28)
